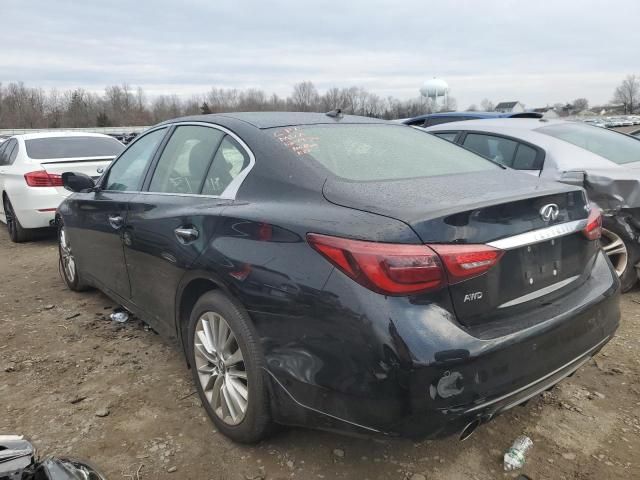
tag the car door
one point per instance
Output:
(174, 219)
(97, 226)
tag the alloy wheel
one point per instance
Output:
(68, 261)
(221, 368)
(616, 250)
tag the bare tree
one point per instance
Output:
(580, 104)
(472, 108)
(305, 97)
(487, 105)
(628, 93)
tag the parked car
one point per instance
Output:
(605, 162)
(342, 272)
(30, 167)
(431, 119)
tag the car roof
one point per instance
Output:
(492, 124)
(32, 136)
(477, 115)
(277, 119)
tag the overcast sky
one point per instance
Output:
(537, 52)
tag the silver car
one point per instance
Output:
(606, 163)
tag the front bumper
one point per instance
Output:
(413, 371)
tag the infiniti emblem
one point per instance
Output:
(549, 212)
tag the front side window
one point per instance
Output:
(127, 173)
(229, 161)
(379, 152)
(613, 146)
(185, 160)
(500, 150)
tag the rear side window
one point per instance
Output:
(185, 160)
(128, 171)
(450, 136)
(526, 158)
(613, 146)
(379, 152)
(500, 150)
(12, 152)
(5, 150)
(229, 161)
(72, 147)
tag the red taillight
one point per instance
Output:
(593, 230)
(43, 179)
(467, 261)
(400, 269)
(391, 269)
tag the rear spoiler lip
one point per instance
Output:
(76, 160)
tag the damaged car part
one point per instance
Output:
(604, 162)
(19, 461)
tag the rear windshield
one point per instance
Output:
(380, 152)
(72, 147)
(611, 145)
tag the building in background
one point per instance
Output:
(509, 107)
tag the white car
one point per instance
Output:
(30, 174)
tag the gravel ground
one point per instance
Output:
(74, 382)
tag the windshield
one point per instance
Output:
(613, 146)
(380, 152)
(72, 147)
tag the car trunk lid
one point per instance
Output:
(544, 256)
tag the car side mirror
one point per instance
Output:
(77, 182)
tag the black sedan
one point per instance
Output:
(343, 273)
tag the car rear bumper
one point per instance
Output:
(420, 374)
(36, 207)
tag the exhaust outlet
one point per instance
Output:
(469, 429)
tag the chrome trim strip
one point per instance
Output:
(540, 235)
(541, 379)
(539, 293)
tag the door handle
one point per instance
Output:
(116, 221)
(186, 235)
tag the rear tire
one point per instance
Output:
(17, 233)
(623, 253)
(226, 367)
(67, 263)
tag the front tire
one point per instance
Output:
(17, 233)
(227, 367)
(623, 253)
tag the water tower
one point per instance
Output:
(435, 88)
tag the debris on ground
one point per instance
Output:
(515, 457)
(338, 452)
(102, 412)
(120, 316)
